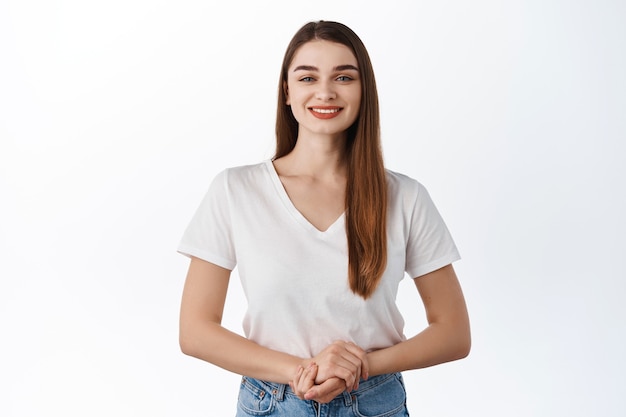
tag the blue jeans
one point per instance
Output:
(379, 396)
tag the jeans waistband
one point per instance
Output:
(279, 391)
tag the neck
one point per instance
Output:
(317, 156)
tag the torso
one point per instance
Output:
(294, 275)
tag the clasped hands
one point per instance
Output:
(337, 368)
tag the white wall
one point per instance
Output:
(114, 116)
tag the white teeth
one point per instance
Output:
(325, 111)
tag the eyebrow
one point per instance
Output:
(337, 68)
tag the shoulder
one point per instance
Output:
(237, 180)
(243, 174)
(402, 185)
(246, 170)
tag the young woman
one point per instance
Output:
(322, 235)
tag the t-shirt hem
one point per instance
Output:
(433, 265)
(206, 256)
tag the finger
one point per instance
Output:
(306, 380)
(356, 382)
(354, 359)
(296, 377)
(326, 391)
(348, 354)
(295, 383)
(345, 360)
(357, 357)
(348, 376)
(362, 355)
(361, 370)
(337, 361)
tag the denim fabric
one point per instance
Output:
(379, 396)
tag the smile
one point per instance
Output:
(325, 112)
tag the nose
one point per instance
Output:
(326, 91)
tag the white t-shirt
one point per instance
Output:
(295, 277)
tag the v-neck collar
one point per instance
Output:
(295, 213)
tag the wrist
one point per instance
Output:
(375, 364)
(285, 370)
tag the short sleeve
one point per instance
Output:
(209, 234)
(430, 245)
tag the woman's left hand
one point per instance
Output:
(343, 360)
(304, 386)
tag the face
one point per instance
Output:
(323, 88)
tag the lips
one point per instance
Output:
(325, 112)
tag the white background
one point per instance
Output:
(114, 117)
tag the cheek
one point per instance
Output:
(356, 105)
(357, 97)
(297, 101)
(356, 101)
(292, 92)
(295, 104)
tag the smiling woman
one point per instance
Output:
(338, 234)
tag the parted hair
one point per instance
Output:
(366, 190)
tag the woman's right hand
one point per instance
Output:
(343, 360)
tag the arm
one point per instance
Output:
(202, 336)
(447, 336)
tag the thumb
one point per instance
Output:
(310, 394)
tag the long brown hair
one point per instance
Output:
(366, 190)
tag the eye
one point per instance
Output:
(344, 78)
(307, 79)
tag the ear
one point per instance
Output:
(286, 91)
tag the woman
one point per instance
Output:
(321, 234)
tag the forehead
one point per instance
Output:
(323, 54)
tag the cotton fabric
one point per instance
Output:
(295, 277)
